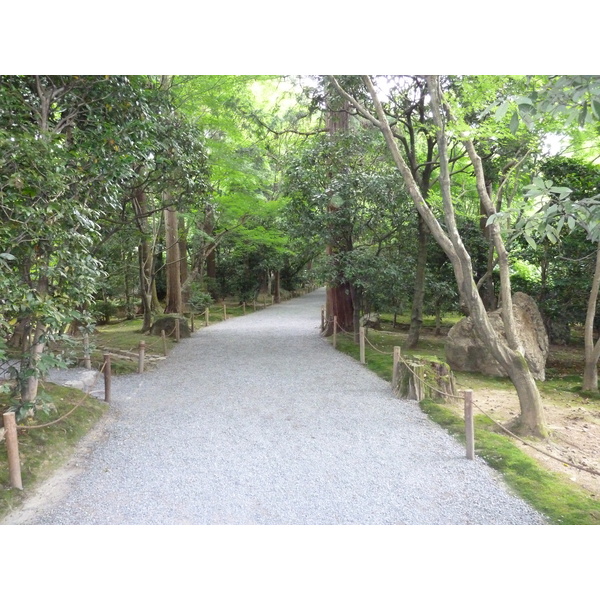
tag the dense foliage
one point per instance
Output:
(125, 196)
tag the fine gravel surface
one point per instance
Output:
(258, 420)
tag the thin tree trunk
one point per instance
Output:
(416, 318)
(592, 352)
(277, 286)
(183, 265)
(34, 348)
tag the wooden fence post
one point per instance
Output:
(322, 318)
(177, 330)
(244, 308)
(224, 311)
(272, 299)
(469, 427)
(87, 363)
(362, 346)
(164, 341)
(192, 322)
(142, 353)
(397, 354)
(335, 331)
(12, 449)
(107, 377)
(206, 315)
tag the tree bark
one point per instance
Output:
(416, 318)
(145, 258)
(183, 265)
(339, 297)
(592, 352)
(174, 302)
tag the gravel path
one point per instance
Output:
(258, 420)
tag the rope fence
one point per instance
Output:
(467, 398)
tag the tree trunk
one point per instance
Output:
(146, 280)
(339, 295)
(592, 352)
(416, 317)
(277, 287)
(174, 302)
(33, 350)
(339, 304)
(183, 265)
(145, 258)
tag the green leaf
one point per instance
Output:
(531, 241)
(501, 111)
(524, 100)
(514, 122)
(7, 256)
(596, 108)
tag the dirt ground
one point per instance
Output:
(574, 425)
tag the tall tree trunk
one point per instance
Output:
(592, 351)
(145, 258)
(173, 262)
(183, 265)
(277, 287)
(416, 318)
(146, 264)
(33, 349)
(339, 297)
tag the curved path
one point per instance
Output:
(258, 420)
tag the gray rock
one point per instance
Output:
(371, 320)
(167, 322)
(465, 352)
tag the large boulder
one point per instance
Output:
(465, 352)
(167, 323)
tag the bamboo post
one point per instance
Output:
(107, 377)
(335, 331)
(469, 427)
(192, 322)
(164, 341)
(224, 311)
(206, 315)
(12, 449)
(177, 330)
(362, 346)
(322, 318)
(142, 353)
(397, 355)
(87, 363)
